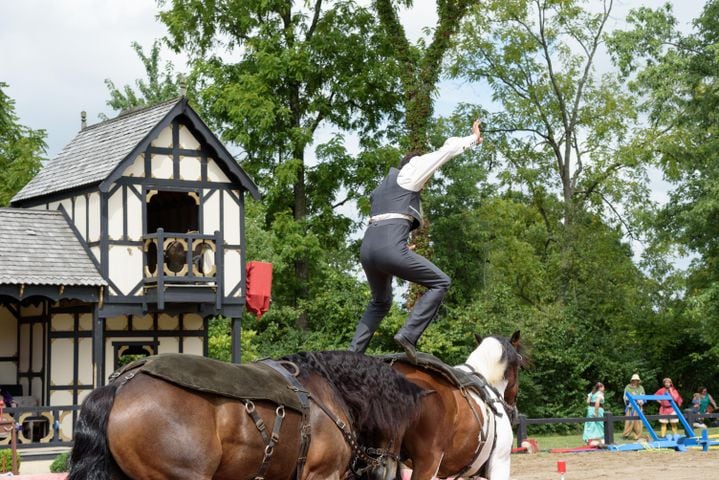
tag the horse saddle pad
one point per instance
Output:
(252, 381)
(456, 377)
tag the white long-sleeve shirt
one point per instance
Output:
(419, 169)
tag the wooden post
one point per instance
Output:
(236, 340)
(160, 269)
(521, 430)
(608, 428)
(13, 447)
(220, 275)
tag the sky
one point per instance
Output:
(55, 55)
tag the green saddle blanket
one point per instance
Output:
(252, 381)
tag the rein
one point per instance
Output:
(372, 457)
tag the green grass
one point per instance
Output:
(548, 441)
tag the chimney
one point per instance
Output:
(83, 120)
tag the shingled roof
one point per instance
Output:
(95, 152)
(40, 248)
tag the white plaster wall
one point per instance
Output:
(62, 322)
(125, 264)
(192, 346)
(214, 173)
(115, 215)
(161, 166)
(81, 215)
(66, 203)
(86, 322)
(168, 322)
(164, 139)
(231, 220)
(37, 390)
(38, 347)
(193, 321)
(62, 350)
(94, 217)
(169, 345)
(61, 398)
(211, 213)
(188, 140)
(233, 271)
(95, 253)
(116, 323)
(190, 168)
(137, 169)
(144, 322)
(84, 359)
(134, 216)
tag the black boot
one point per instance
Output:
(409, 349)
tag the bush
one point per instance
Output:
(61, 463)
(6, 459)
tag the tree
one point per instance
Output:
(419, 66)
(161, 84)
(21, 150)
(271, 73)
(562, 128)
(676, 75)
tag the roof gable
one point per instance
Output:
(40, 247)
(98, 154)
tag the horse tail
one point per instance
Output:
(90, 458)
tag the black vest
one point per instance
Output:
(389, 197)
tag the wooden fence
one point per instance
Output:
(609, 420)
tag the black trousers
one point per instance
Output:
(384, 254)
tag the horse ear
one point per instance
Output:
(478, 338)
(515, 339)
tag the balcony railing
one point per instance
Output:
(182, 260)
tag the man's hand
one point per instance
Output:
(477, 132)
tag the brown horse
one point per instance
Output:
(462, 433)
(148, 428)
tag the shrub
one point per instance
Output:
(6, 460)
(61, 463)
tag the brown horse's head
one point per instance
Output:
(498, 359)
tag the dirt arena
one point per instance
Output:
(643, 465)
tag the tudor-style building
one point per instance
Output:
(126, 242)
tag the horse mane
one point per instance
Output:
(379, 399)
(494, 353)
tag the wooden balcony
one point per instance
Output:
(190, 268)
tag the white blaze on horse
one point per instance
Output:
(464, 428)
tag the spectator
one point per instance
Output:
(665, 406)
(633, 428)
(700, 403)
(594, 431)
(7, 398)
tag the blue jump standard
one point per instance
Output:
(677, 442)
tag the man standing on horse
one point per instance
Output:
(384, 254)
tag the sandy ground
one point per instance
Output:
(642, 465)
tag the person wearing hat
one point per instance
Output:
(665, 406)
(633, 428)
